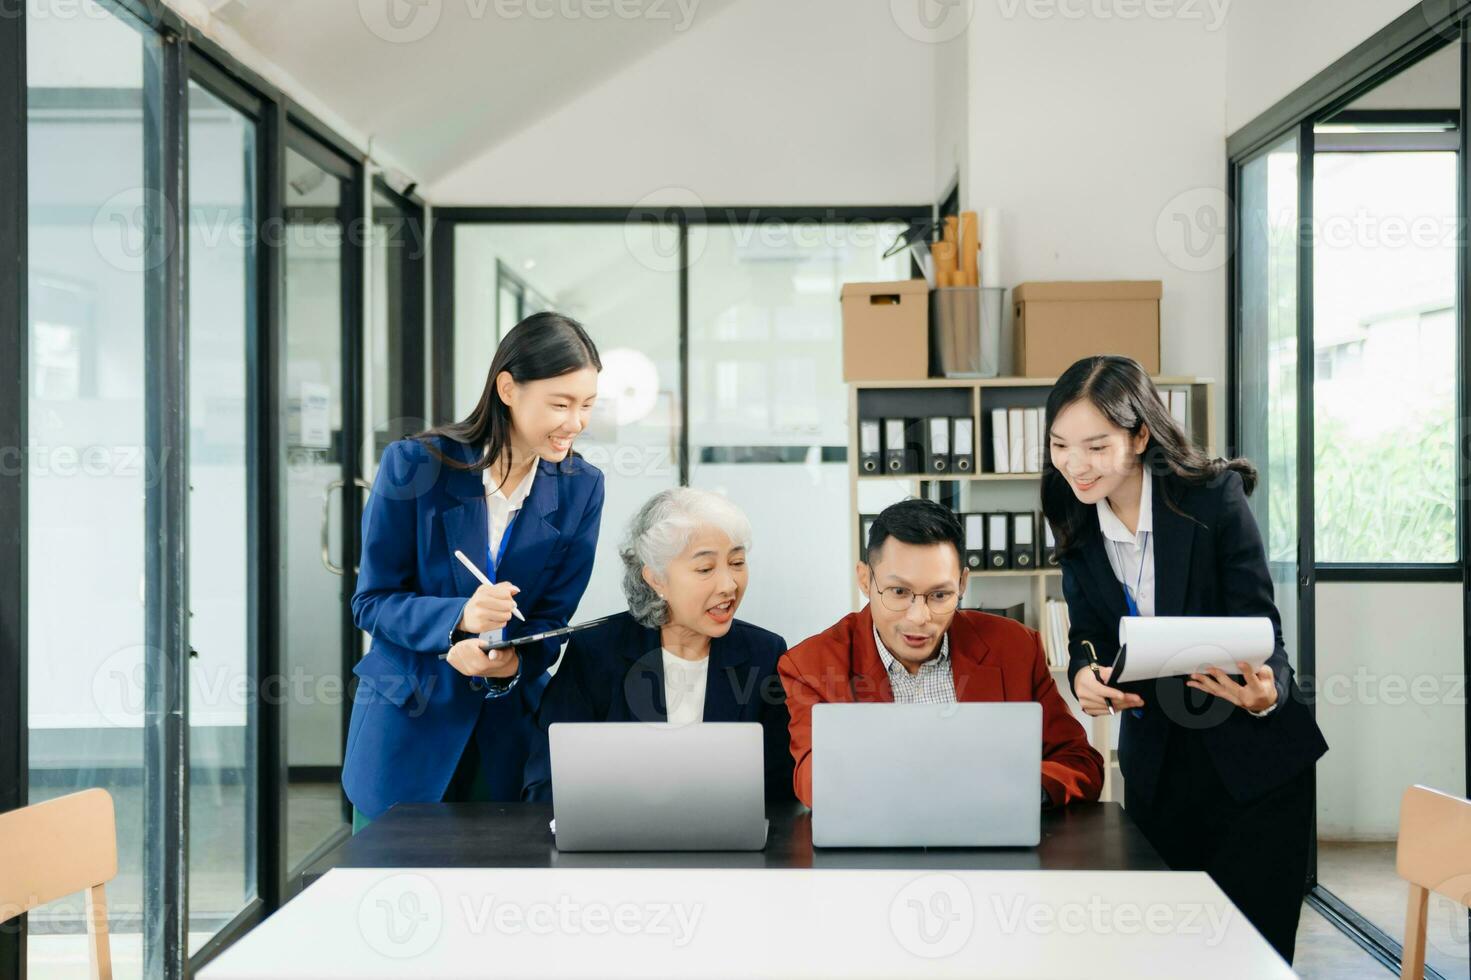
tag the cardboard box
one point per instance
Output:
(1060, 323)
(886, 331)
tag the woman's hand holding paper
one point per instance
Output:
(1258, 693)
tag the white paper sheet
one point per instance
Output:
(1166, 646)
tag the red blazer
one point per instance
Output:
(991, 658)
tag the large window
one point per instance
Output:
(89, 462)
(1384, 333)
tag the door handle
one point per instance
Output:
(327, 522)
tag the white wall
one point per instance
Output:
(770, 102)
(1276, 45)
(1391, 701)
(952, 116)
(1091, 135)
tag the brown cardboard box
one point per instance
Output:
(886, 331)
(1059, 323)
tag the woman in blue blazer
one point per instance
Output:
(1218, 768)
(504, 488)
(678, 654)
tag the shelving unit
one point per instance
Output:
(976, 397)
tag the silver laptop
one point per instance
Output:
(927, 775)
(630, 786)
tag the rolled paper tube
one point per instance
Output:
(990, 247)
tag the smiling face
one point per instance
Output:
(912, 634)
(547, 415)
(1094, 455)
(704, 584)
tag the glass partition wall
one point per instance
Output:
(196, 418)
(1348, 344)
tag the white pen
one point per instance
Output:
(484, 581)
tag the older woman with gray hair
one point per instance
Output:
(678, 654)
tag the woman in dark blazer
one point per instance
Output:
(504, 488)
(1217, 768)
(678, 654)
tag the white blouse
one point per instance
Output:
(684, 688)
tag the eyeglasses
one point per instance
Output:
(897, 598)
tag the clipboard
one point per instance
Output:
(537, 637)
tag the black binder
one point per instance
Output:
(1023, 541)
(1049, 545)
(894, 445)
(998, 551)
(963, 445)
(865, 523)
(937, 445)
(870, 448)
(975, 541)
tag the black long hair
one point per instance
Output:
(1124, 393)
(544, 345)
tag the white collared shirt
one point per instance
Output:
(933, 684)
(499, 508)
(1131, 556)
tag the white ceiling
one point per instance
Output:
(436, 83)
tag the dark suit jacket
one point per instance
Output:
(413, 713)
(615, 672)
(991, 659)
(1216, 567)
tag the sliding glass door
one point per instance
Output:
(90, 469)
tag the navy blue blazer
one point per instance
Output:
(615, 672)
(1214, 565)
(413, 714)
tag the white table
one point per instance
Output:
(461, 923)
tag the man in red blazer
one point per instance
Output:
(911, 644)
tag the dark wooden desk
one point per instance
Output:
(1086, 837)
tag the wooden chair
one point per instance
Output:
(1433, 855)
(58, 848)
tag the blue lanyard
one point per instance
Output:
(1130, 601)
(1139, 580)
(493, 562)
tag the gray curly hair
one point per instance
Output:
(661, 531)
